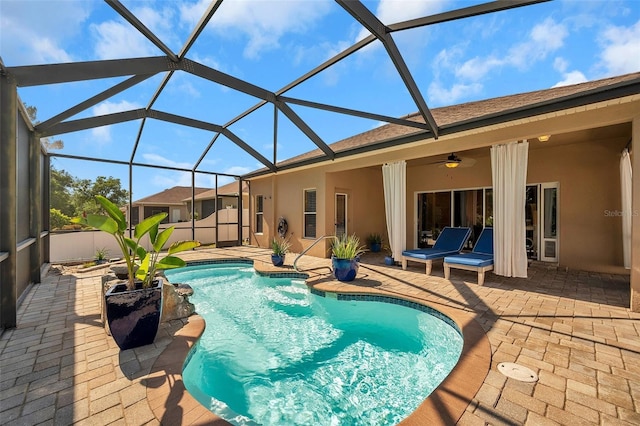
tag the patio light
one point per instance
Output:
(544, 138)
(452, 161)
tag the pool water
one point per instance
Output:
(275, 354)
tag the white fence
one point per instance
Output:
(71, 246)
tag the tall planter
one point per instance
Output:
(134, 315)
(277, 260)
(344, 269)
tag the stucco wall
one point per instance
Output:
(365, 201)
(589, 196)
(283, 197)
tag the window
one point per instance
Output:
(310, 213)
(259, 213)
(208, 208)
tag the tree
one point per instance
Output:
(70, 196)
(60, 192)
(32, 112)
(57, 219)
(85, 191)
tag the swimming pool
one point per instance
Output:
(274, 353)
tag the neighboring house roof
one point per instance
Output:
(228, 189)
(457, 118)
(171, 196)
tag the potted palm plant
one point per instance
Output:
(388, 258)
(345, 254)
(374, 241)
(134, 307)
(279, 248)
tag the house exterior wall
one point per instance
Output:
(586, 168)
(589, 197)
(365, 201)
(283, 197)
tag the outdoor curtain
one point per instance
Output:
(509, 173)
(394, 177)
(625, 184)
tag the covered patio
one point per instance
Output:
(574, 330)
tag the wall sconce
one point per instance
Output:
(544, 138)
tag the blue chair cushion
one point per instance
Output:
(429, 253)
(452, 239)
(471, 259)
(484, 244)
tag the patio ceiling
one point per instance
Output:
(170, 63)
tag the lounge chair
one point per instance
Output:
(480, 259)
(450, 241)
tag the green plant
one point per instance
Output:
(102, 254)
(280, 247)
(57, 219)
(347, 247)
(374, 238)
(115, 223)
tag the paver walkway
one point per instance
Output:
(572, 328)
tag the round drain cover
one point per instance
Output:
(518, 372)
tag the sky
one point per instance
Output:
(269, 44)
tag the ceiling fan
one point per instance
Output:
(451, 162)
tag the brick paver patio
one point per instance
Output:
(572, 328)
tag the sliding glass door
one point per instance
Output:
(434, 213)
(474, 208)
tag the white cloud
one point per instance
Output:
(167, 179)
(560, 64)
(261, 23)
(119, 39)
(477, 68)
(116, 40)
(164, 161)
(109, 107)
(103, 134)
(439, 95)
(394, 11)
(572, 77)
(238, 170)
(621, 52)
(544, 38)
(32, 34)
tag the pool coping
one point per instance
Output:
(171, 403)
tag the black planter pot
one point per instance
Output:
(134, 315)
(375, 247)
(344, 269)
